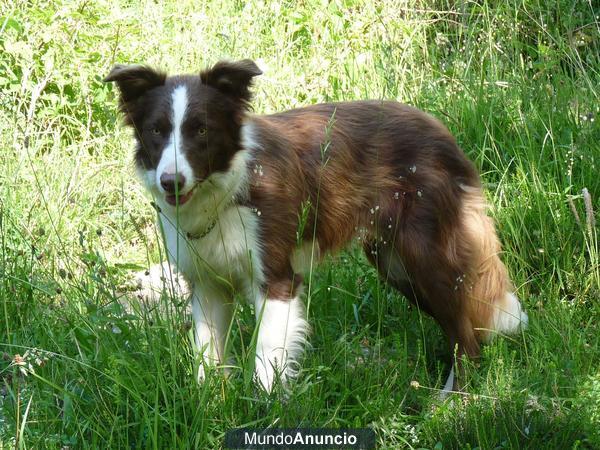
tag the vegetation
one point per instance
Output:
(83, 363)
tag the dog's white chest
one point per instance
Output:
(228, 253)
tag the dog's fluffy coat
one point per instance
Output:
(244, 198)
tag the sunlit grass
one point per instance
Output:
(516, 82)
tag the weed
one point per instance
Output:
(516, 82)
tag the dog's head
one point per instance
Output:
(187, 127)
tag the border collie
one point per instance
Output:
(247, 200)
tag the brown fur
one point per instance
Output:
(384, 164)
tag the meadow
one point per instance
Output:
(85, 364)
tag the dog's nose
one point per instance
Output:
(172, 182)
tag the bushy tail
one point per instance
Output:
(493, 307)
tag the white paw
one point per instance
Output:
(201, 373)
(271, 366)
(206, 358)
(448, 387)
(159, 278)
(205, 364)
(204, 367)
(264, 374)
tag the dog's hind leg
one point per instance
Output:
(392, 270)
(420, 270)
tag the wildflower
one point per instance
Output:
(412, 433)
(30, 358)
(415, 384)
(413, 168)
(441, 40)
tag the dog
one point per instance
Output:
(245, 201)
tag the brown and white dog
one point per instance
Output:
(245, 200)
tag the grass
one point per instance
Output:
(516, 82)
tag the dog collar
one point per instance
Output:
(195, 236)
(190, 236)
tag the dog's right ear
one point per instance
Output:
(134, 81)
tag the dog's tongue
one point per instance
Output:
(172, 199)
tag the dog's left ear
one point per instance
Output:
(232, 78)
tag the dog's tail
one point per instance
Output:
(493, 308)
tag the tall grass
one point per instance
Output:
(84, 363)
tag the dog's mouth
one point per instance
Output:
(179, 199)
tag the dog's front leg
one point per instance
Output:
(281, 336)
(212, 316)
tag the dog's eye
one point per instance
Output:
(156, 131)
(202, 131)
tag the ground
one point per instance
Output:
(85, 363)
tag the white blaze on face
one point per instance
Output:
(173, 159)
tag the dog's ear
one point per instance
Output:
(232, 78)
(134, 81)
